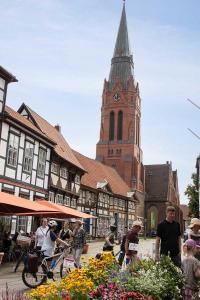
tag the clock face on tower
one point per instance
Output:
(116, 97)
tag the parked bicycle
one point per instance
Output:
(36, 272)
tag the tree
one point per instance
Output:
(193, 195)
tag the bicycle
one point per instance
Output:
(45, 271)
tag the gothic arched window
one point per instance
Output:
(112, 126)
(120, 126)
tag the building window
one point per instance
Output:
(67, 201)
(51, 197)
(116, 202)
(111, 201)
(13, 150)
(120, 126)
(22, 224)
(54, 168)
(41, 162)
(64, 172)
(112, 126)
(28, 157)
(77, 179)
(73, 202)
(59, 199)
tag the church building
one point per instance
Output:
(119, 145)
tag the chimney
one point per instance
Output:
(58, 127)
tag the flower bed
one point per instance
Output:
(103, 279)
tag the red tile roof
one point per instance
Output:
(24, 121)
(98, 172)
(62, 148)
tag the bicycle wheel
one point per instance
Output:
(32, 280)
(64, 271)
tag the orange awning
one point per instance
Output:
(12, 205)
(64, 211)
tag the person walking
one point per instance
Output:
(132, 241)
(194, 234)
(40, 234)
(191, 270)
(78, 242)
(110, 239)
(168, 238)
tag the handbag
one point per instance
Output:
(85, 249)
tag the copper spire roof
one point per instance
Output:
(122, 62)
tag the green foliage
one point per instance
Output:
(193, 196)
(162, 280)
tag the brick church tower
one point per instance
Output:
(119, 144)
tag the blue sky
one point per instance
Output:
(60, 51)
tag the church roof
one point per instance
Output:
(61, 148)
(122, 62)
(98, 172)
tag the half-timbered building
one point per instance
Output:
(66, 170)
(24, 159)
(105, 194)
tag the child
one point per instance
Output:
(191, 270)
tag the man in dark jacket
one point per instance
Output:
(168, 238)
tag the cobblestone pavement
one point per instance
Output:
(14, 280)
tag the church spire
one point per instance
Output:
(122, 62)
(122, 42)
